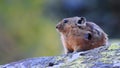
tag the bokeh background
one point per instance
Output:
(27, 27)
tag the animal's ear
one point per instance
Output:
(82, 20)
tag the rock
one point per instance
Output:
(102, 57)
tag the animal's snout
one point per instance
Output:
(57, 26)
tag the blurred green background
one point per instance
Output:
(25, 31)
(27, 27)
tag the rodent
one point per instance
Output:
(77, 34)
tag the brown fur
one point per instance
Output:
(73, 36)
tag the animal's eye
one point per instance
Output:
(65, 21)
(88, 36)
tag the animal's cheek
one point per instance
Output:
(67, 27)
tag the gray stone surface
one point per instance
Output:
(102, 57)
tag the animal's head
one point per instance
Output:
(68, 24)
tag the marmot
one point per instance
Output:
(77, 34)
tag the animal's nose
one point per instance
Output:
(59, 26)
(56, 26)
